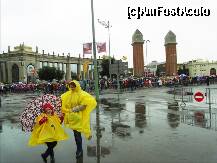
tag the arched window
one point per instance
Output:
(212, 71)
(15, 73)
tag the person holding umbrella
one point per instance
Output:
(43, 118)
(76, 107)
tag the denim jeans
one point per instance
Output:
(78, 140)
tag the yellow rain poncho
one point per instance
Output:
(79, 121)
(49, 131)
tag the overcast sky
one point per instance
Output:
(63, 26)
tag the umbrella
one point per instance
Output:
(34, 109)
(182, 75)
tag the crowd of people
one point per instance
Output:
(130, 83)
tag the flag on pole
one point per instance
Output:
(87, 48)
(101, 47)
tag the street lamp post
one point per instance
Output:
(96, 83)
(108, 26)
(146, 50)
(94, 56)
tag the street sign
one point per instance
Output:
(198, 96)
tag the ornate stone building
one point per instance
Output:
(138, 56)
(171, 55)
(22, 64)
(201, 67)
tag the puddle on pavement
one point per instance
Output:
(151, 130)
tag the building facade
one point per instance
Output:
(171, 54)
(201, 67)
(22, 64)
(152, 67)
(138, 56)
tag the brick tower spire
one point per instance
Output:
(171, 56)
(138, 57)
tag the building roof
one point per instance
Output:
(23, 47)
(170, 38)
(137, 37)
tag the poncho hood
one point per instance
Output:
(77, 88)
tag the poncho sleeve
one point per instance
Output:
(88, 100)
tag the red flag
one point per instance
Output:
(87, 48)
(101, 47)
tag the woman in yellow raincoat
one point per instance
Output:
(77, 106)
(47, 130)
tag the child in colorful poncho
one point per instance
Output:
(48, 130)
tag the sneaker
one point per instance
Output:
(79, 154)
(44, 158)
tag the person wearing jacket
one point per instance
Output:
(76, 107)
(48, 130)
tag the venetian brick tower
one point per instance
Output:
(138, 57)
(171, 56)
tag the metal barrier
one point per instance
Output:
(202, 118)
(211, 96)
(183, 94)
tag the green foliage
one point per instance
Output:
(105, 66)
(183, 71)
(158, 72)
(74, 76)
(50, 73)
(59, 74)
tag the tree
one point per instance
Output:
(50, 73)
(59, 74)
(74, 76)
(158, 72)
(183, 71)
(105, 66)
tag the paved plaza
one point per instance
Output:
(144, 126)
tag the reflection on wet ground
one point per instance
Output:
(143, 126)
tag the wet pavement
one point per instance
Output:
(144, 126)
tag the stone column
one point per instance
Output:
(9, 72)
(79, 68)
(68, 71)
(1, 72)
(88, 75)
(4, 72)
(22, 71)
